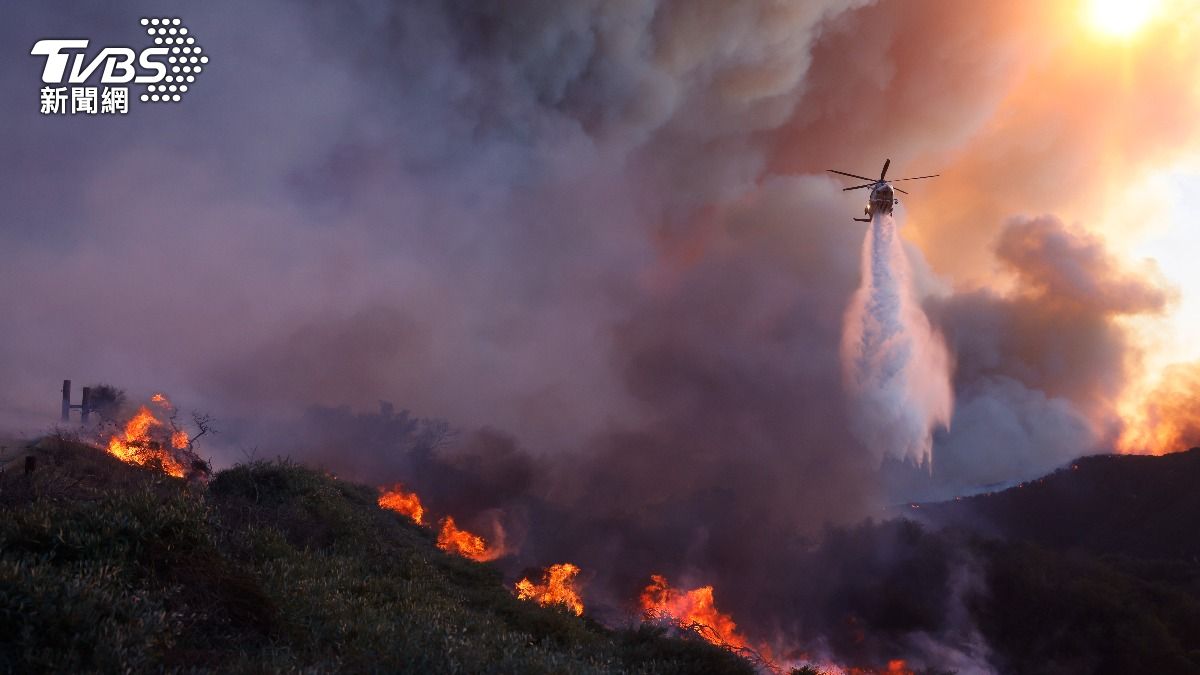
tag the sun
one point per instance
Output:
(1120, 18)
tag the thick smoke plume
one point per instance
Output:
(896, 366)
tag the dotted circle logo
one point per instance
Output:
(185, 61)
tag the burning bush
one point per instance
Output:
(149, 441)
(451, 538)
(557, 588)
(691, 610)
(404, 503)
(468, 545)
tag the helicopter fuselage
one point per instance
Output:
(882, 199)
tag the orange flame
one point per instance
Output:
(1166, 418)
(557, 588)
(466, 544)
(137, 443)
(693, 609)
(894, 667)
(404, 503)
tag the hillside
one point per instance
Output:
(1136, 506)
(273, 566)
(270, 567)
(1094, 568)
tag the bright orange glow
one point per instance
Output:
(894, 667)
(454, 540)
(557, 588)
(404, 503)
(144, 440)
(694, 609)
(1120, 18)
(1165, 418)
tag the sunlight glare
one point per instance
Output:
(1120, 18)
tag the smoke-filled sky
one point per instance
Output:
(602, 230)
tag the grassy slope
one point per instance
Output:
(273, 566)
(276, 567)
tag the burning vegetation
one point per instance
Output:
(557, 588)
(452, 539)
(150, 440)
(691, 610)
(404, 503)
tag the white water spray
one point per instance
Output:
(896, 367)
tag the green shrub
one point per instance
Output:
(277, 567)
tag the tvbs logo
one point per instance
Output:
(167, 69)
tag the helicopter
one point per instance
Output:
(882, 200)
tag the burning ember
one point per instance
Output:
(894, 667)
(557, 588)
(148, 440)
(466, 544)
(404, 503)
(691, 610)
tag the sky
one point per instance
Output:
(1169, 244)
(605, 227)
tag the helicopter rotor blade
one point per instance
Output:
(915, 178)
(886, 164)
(850, 175)
(859, 187)
(900, 191)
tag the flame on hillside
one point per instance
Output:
(557, 588)
(693, 610)
(893, 667)
(148, 440)
(451, 538)
(461, 542)
(404, 503)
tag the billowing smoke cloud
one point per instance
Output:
(1040, 367)
(897, 368)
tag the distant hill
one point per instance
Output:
(1094, 568)
(1128, 505)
